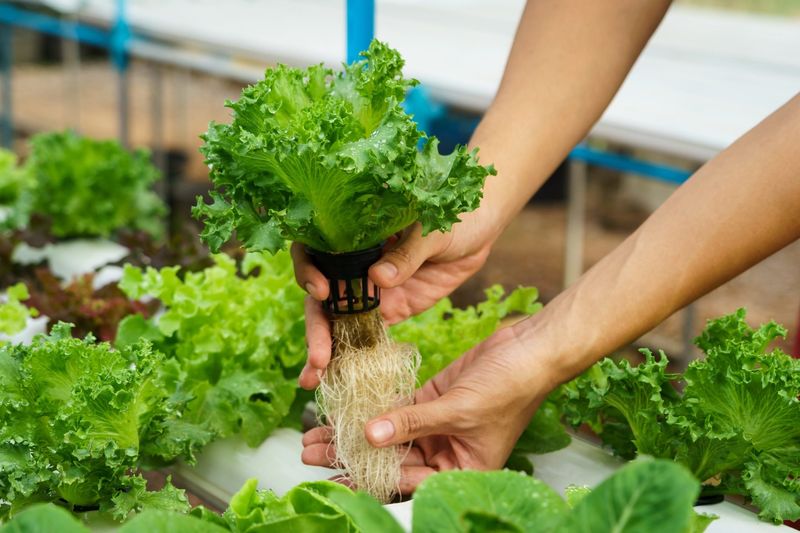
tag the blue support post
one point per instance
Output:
(360, 26)
(6, 61)
(119, 56)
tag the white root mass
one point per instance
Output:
(369, 374)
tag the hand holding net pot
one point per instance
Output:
(330, 160)
(368, 375)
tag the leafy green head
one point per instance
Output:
(89, 187)
(74, 415)
(331, 161)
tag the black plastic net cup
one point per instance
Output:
(351, 291)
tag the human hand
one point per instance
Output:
(414, 273)
(469, 416)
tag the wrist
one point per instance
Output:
(529, 379)
(553, 355)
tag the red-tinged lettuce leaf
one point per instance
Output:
(331, 161)
(89, 310)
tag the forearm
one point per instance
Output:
(736, 210)
(568, 59)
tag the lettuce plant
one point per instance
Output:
(89, 187)
(234, 342)
(76, 417)
(736, 424)
(331, 161)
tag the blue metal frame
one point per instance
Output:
(120, 35)
(360, 26)
(41, 23)
(6, 58)
(625, 163)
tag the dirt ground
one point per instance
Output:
(530, 252)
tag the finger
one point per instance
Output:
(437, 417)
(319, 435)
(309, 378)
(412, 476)
(415, 457)
(319, 455)
(401, 260)
(318, 335)
(307, 275)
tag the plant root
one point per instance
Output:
(369, 374)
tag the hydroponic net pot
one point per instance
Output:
(351, 290)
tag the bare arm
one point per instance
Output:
(736, 210)
(568, 59)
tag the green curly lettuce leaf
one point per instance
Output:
(736, 423)
(90, 187)
(234, 341)
(331, 161)
(75, 415)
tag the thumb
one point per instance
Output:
(412, 422)
(403, 259)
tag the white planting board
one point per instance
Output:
(72, 258)
(225, 465)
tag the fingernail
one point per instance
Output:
(381, 431)
(387, 270)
